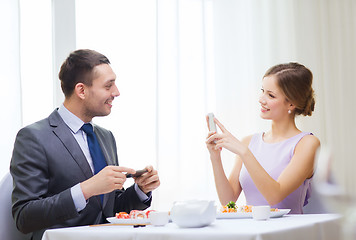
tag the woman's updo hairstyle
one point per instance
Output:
(295, 80)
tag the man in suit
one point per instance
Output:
(53, 168)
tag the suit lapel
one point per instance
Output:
(61, 130)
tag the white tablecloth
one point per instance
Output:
(308, 226)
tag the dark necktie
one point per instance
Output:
(96, 154)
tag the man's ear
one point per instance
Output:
(79, 90)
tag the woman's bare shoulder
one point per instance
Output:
(308, 141)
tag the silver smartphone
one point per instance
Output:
(212, 125)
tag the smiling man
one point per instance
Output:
(65, 168)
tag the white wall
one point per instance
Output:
(10, 96)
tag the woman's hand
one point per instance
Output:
(225, 140)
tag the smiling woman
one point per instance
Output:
(295, 81)
(291, 85)
(275, 167)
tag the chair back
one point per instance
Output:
(8, 230)
(315, 204)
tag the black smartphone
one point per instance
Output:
(137, 174)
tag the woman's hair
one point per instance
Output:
(78, 68)
(295, 80)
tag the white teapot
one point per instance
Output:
(193, 213)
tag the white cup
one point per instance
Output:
(261, 212)
(159, 218)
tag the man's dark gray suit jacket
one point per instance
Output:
(46, 162)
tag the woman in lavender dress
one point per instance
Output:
(275, 167)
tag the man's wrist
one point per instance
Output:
(78, 197)
(141, 195)
(85, 187)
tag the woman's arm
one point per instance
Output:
(300, 167)
(228, 189)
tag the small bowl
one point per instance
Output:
(261, 212)
(193, 213)
(159, 218)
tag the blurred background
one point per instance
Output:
(177, 60)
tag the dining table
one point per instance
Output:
(301, 226)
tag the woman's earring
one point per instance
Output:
(289, 111)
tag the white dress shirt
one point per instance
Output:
(74, 123)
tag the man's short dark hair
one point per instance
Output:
(78, 68)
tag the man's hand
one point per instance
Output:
(107, 180)
(148, 181)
